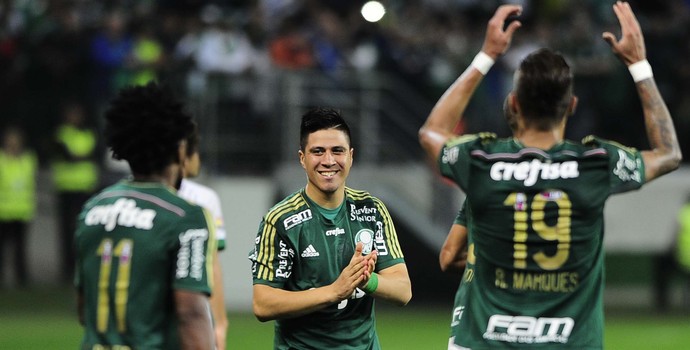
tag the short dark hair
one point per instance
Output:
(319, 119)
(544, 88)
(144, 126)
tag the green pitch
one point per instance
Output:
(46, 319)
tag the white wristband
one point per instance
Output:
(640, 70)
(482, 62)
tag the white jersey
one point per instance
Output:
(208, 198)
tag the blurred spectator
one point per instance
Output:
(221, 47)
(111, 51)
(75, 176)
(674, 262)
(18, 168)
(147, 57)
(290, 48)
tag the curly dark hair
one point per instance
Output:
(145, 125)
(321, 118)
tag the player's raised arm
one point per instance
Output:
(665, 154)
(448, 110)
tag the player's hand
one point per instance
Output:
(220, 332)
(630, 48)
(497, 40)
(352, 275)
(370, 261)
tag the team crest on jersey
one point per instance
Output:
(366, 236)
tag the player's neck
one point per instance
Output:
(167, 177)
(540, 139)
(324, 199)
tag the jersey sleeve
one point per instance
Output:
(626, 166)
(386, 239)
(217, 213)
(454, 160)
(272, 257)
(461, 218)
(195, 245)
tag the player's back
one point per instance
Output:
(136, 242)
(538, 235)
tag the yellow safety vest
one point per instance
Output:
(683, 244)
(76, 176)
(17, 186)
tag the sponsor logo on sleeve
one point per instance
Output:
(627, 168)
(191, 258)
(285, 255)
(450, 155)
(379, 241)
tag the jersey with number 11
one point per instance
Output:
(136, 243)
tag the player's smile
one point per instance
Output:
(328, 173)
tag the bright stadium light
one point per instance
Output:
(373, 11)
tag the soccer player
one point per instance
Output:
(144, 255)
(325, 252)
(536, 200)
(207, 198)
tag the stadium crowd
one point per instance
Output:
(54, 53)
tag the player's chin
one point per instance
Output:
(330, 187)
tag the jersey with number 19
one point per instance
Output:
(537, 228)
(298, 248)
(136, 243)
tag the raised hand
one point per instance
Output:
(630, 48)
(497, 40)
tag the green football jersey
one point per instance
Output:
(297, 248)
(135, 244)
(537, 227)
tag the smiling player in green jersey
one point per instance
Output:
(324, 253)
(144, 255)
(536, 200)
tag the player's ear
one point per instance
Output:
(352, 155)
(301, 158)
(182, 152)
(573, 106)
(513, 104)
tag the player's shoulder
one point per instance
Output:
(361, 198)
(288, 206)
(153, 196)
(196, 192)
(482, 138)
(593, 143)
